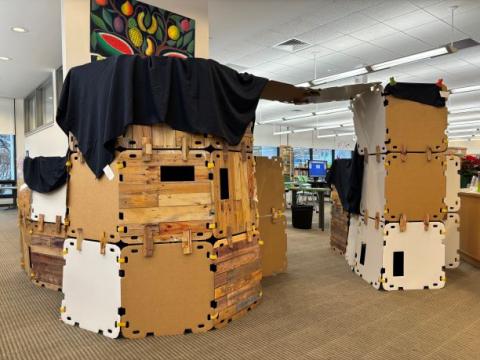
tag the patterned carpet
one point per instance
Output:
(319, 310)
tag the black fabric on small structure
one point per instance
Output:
(428, 94)
(347, 177)
(45, 174)
(99, 100)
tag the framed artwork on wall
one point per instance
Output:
(131, 27)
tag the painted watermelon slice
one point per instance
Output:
(175, 54)
(113, 45)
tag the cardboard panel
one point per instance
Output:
(369, 252)
(168, 293)
(91, 285)
(234, 193)
(369, 120)
(414, 126)
(237, 278)
(415, 186)
(274, 249)
(93, 204)
(270, 186)
(373, 187)
(423, 255)
(396, 125)
(452, 240)
(452, 199)
(167, 190)
(339, 227)
(50, 205)
(355, 234)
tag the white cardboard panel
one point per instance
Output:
(452, 241)
(369, 121)
(91, 285)
(452, 200)
(50, 205)
(353, 235)
(373, 187)
(369, 253)
(423, 253)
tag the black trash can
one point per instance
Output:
(302, 216)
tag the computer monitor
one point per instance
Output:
(317, 168)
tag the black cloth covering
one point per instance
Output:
(347, 177)
(99, 100)
(45, 174)
(428, 94)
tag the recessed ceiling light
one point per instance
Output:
(5, 58)
(18, 29)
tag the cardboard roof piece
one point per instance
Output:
(283, 92)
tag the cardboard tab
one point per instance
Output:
(147, 149)
(41, 221)
(149, 232)
(184, 148)
(58, 224)
(426, 222)
(403, 223)
(103, 243)
(229, 236)
(79, 239)
(187, 242)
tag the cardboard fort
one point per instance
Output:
(339, 225)
(271, 218)
(404, 236)
(167, 242)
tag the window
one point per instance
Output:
(301, 157)
(267, 151)
(39, 109)
(323, 155)
(7, 157)
(343, 154)
(59, 81)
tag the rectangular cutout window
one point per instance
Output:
(177, 173)
(398, 261)
(224, 191)
(363, 252)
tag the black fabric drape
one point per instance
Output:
(45, 174)
(347, 177)
(428, 94)
(99, 100)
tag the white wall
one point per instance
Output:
(19, 138)
(7, 117)
(473, 147)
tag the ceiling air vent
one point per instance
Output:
(292, 45)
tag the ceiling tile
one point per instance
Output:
(290, 59)
(321, 34)
(370, 54)
(354, 22)
(342, 43)
(443, 9)
(312, 51)
(402, 44)
(267, 38)
(412, 19)
(374, 32)
(259, 57)
(342, 60)
(389, 9)
(435, 33)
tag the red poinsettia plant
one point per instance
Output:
(470, 165)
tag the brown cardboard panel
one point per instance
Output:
(46, 259)
(414, 126)
(415, 187)
(93, 204)
(274, 249)
(470, 227)
(339, 223)
(235, 207)
(270, 187)
(169, 292)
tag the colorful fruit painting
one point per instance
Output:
(132, 27)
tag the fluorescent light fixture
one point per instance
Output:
(461, 130)
(299, 116)
(340, 76)
(461, 136)
(465, 89)
(269, 121)
(335, 126)
(5, 58)
(411, 58)
(332, 111)
(464, 110)
(305, 84)
(286, 132)
(463, 123)
(18, 29)
(303, 130)
(335, 135)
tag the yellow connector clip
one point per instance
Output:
(63, 309)
(120, 165)
(381, 280)
(121, 229)
(214, 316)
(65, 252)
(261, 242)
(210, 165)
(443, 278)
(260, 293)
(68, 163)
(121, 260)
(121, 324)
(212, 226)
(444, 210)
(30, 231)
(66, 222)
(213, 257)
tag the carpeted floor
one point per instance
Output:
(319, 310)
